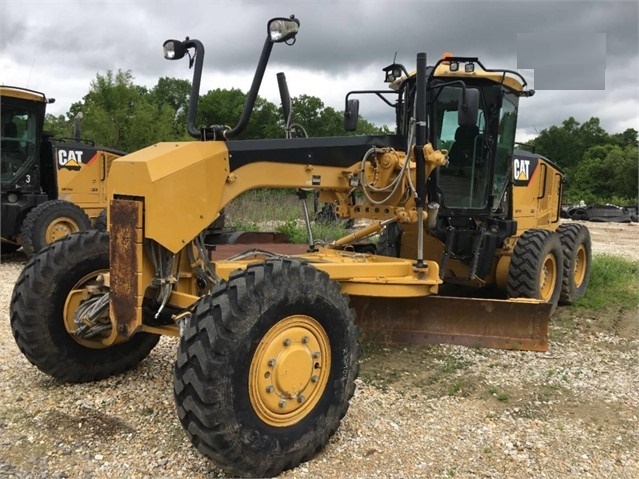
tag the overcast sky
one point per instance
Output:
(58, 47)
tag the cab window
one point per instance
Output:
(463, 183)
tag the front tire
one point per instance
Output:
(536, 267)
(577, 256)
(37, 313)
(49, 222)
(266, 368)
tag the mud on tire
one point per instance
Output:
(221, 367)
(37, 306)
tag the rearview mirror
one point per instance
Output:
(351, 115)
(283, 29)
(468, 107)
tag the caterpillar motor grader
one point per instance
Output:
(268, 343)
(50, 187)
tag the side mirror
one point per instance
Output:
(351, 115)
(468, 107)
(283, 29)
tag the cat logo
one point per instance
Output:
(521, 170)
(70, 159)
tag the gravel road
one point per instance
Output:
(442, 411)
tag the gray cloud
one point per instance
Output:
(68, 42)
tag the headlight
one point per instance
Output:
(173, 49)
(283, 29)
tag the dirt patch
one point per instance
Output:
(618, 239)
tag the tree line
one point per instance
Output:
(600, 167)
(120, 114)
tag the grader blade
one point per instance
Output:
(486, 323)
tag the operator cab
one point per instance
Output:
(480, 150)
(472, 180)
(21, 120)
(471, 111)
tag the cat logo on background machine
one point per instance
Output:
(70, 159)
(51, 187)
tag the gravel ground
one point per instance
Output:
(442, 411)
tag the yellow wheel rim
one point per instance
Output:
(289, 371)
(59, 228)
(579, 272)
(548, 277)
(75, 296)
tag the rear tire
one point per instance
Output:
(577, 256)
(536, 267)
(37, 308)
(101, 221)
(266, 368)
(49, 222)
(390, 241)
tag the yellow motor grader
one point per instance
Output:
(268, 343)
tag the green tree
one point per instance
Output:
(173, 93)
(566, 144)
(628, 138)
(59, 125)
(319, 120)
(599, 166)
(607, 173)
(122, 115)
(225, 107)
(220, 107)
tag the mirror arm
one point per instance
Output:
(252, 94)
(195, 86)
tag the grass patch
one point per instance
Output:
(280, 210)
(501, 396)
(296, 231)
(263, 205)
(614, 283)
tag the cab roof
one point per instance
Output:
(443, 70)
(22, 93)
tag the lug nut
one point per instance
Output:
(314, 378)
(316, 355)
(304, 339)
(282, 403)
(269, 389)
(287, 342)
(271, 362)
(301, 399)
